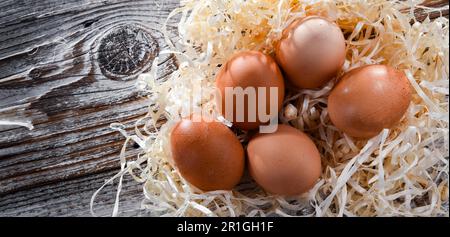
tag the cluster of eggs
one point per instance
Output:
(310, 53)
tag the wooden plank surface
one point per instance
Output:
(69, 67)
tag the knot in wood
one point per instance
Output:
(125, 51)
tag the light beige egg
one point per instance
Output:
(311, 51)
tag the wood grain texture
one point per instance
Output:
(69, 67)
(72, 197)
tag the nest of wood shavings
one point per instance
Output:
(400, 172)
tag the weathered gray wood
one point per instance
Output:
(71, 198)
(65, 67)
(69, 67)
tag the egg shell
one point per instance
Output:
(311, 51)
(250, 69)
(207, 154)
(285, 162)
(368, 99)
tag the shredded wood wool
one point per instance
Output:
(403, 171)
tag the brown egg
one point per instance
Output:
(207, 154)
(368, 99)
(311, 52)
(286, 162)
(247, 70)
